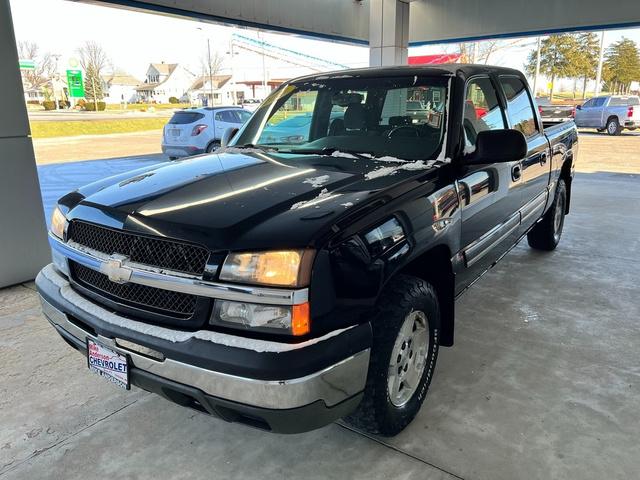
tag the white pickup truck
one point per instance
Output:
(612, 113)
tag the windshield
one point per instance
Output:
(402, 117)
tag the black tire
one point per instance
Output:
(613, 126)
(546, 234)
(173, 158)
(213, 146)
(405, 296)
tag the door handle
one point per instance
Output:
(543, 158)
(516, 172)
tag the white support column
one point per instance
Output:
(388, 32)
(23, 239)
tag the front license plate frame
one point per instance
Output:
(107, 363)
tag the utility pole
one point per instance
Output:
(233, 77)
(264, 70)
(55, 94)
(210, 72)
(476, 51)
(600, 63)
(535, 79)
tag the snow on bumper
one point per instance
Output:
(331, 385)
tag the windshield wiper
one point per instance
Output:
(330, 151)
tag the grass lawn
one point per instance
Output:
(50, 129)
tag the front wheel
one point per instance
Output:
(403, 357)
(546, 234)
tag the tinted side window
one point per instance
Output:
(598, 102)
(588, 103)
(520, 108)
(623, 101)
(182, 118)
(242, 115)
(226, 116)
(481, 110)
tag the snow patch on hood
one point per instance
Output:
(241, 150)
(386, 171)
(323, 196)
(317, 182)
(339, 154)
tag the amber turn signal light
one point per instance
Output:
(300, 321)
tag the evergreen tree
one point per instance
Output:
(94, 62)
(556, 54)
(585, 59)
(622, 65)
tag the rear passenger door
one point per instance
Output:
(536, 166)
(224, 119)
(489, 195)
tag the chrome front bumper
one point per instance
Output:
(331, 385)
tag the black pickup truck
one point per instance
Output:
(287, 282)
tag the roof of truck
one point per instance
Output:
(445, 69)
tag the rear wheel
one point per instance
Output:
(403, 357)
(546, 234)
(213, 146)
(613, 126)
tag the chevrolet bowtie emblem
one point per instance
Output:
(114, 269)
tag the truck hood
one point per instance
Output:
(244, 200)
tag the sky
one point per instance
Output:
(132, 40)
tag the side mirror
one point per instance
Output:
(228, 134)
(498, 146)
(578, 107)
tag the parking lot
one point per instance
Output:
(543, 381)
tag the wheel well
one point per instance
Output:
(565, 174)
(212, 142)
(434, 266)
(612, 117)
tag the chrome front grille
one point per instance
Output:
(164, 302)
(155, 252)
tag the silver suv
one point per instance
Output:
(199, 130)
(612, 113)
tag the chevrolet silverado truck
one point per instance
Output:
(287, 285)
(612, 113)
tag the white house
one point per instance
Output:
(165, 80)
(119, 88)
(217, 90)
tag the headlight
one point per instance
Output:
(58, 223)
(293, 320)
(286, 268)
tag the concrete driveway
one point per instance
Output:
(542, 383)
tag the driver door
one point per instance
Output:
(489, 193)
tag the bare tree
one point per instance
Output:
(481, 51)
(45, 65)
(94, 61)
(211, 63)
